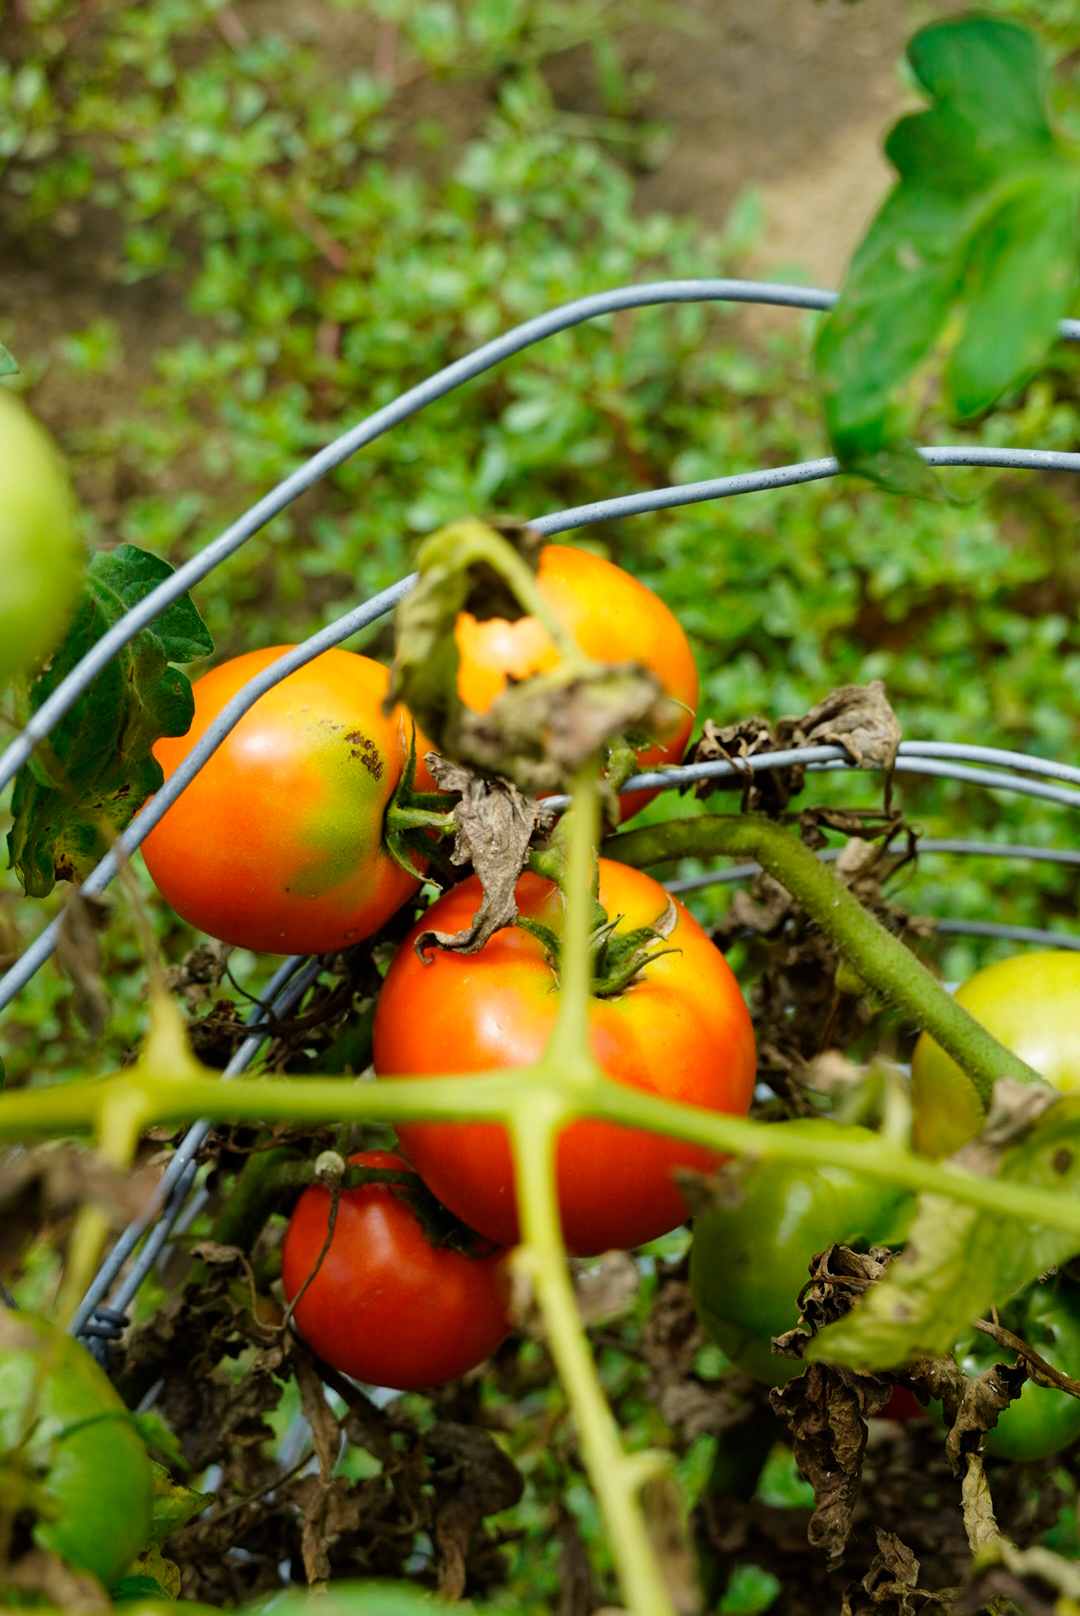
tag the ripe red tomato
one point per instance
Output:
(612, 617)
(387, 1306)
(277, 843)
(681, 1030)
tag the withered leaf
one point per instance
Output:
(607, 1288)
(44, 1575)
(665, 1518)
(494, 826)
(47, 1183)
(826, 1411)
(768, 791)
(838, 1276)
(856, 717)
(890, 1587)
(970, 1403)
(540, 732)
(78, 954)
(473, 1477)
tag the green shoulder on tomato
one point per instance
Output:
(750, 1260)
(68, 1446)
(1031, 1004)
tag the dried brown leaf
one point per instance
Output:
(666, 1522)
(856, 717)
(890, 1586)
(540, 732)
(495, 825)
(473, 1477)
(78, 954)
(607, 1288)
(826, 1410)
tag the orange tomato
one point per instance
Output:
(681, 1030)
(612, 617)
(276, 844)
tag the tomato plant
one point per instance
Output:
(612, 617)
(278, 842)
(681, 1030)
(388, 1304)
(750, 1258)
(1031, 1002)
(69, 1453)
(40, 553)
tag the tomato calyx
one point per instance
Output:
(416, 821)
(619, 957)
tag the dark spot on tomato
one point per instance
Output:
(366, 752)
(1061, 1160)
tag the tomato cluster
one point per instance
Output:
(279, 845)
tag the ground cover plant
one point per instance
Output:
(852, 1386)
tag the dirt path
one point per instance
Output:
(788, 97)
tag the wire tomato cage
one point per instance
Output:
(102, 1314)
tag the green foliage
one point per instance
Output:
(985, 217)
(82, 786)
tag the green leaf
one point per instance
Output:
(983, 220)
(960, 1260)
(82, 786)
(129, 1590)
(9, 365)
(1023, 274)
(172, 1505)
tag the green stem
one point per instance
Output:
(569, 1046)
(615, 1477)
(880, 959)
(71, 1107)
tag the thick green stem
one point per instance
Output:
(255, 1192)
(882, 961)
(616, 1477)
(73, 1107)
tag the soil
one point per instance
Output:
(788, 98)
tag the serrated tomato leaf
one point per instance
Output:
(82, 786)
(959, 1260)
(982, 222)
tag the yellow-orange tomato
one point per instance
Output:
(612, 617)
(276, 844)
(681, 1030)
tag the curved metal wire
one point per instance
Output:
(437, 386)
(292, 978)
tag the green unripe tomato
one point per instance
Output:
(1031, 1003)
(1041, 1421)
(40, 552)
(64, 1429)
(749, 1262)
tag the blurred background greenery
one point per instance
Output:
(228, 230)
